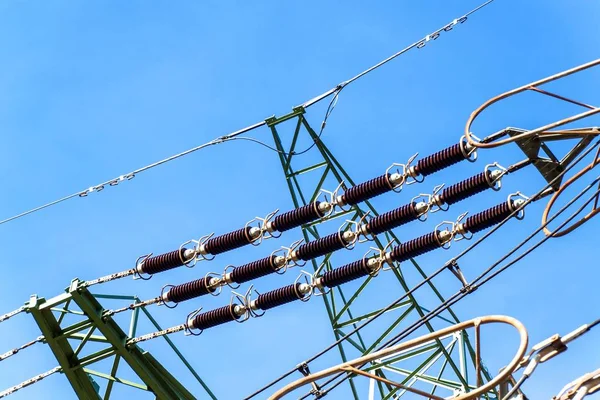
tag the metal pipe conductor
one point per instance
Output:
(351, 366)
(543, 130)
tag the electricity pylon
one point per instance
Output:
(444, 365)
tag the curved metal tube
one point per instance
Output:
(560, 191)
(543, 129)
(473, 323)
(581, 387)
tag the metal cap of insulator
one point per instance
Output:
(299, 216)
(255, 269)
(218, 316)
(395, 218)
(469, 187)
(281, 296)
(347, 273)
(490, 217)
(164, 262)
(421, 245)
(325, 245)
(369, 189)
(190, 290)
(229, 241)
(442, 159)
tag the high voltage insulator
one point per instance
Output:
(492, 216)
(281, 296)
(349, 272)
(299, 216)
(421, 245)
(325, 245)
(189, 290)
(218, 316)
(369, 189)
(164, 262)
(444, 159)
(344, 238)
(490, 178)
(367, 266)
(208, 246)
(395, 218)
(255, 269)
(229, 241)
(393, 181)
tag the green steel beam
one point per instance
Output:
(157, 382)
(41, 310)
(95, 327)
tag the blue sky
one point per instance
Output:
(90, 91)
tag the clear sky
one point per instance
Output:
(89, 91)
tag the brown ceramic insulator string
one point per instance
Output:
(416, 247)
(163, 262)
(228, 241)
(214, 317)
(488, 218)
(189, 290)
(467, 188)
(392, 219)
(431, 276)
(297, 217)
(367, 190)
(347, 273)
(254, 269)
(440, 160)
(279, 297)
(321, 246)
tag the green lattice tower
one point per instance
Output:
(446, 364)
(69, 343)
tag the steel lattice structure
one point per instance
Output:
(92, 326)
(454, 359)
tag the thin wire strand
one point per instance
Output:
(334, 91)
(433, 275)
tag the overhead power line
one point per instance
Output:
(237, 134)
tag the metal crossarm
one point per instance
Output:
(94, 326)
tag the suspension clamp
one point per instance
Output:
(305, 370)
(457, 272)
